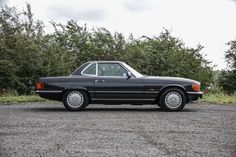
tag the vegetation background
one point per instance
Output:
(27, 52)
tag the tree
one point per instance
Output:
(227, 79)
(230, 55)
(165, 55)
(20, 46)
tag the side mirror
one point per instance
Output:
(129, 75)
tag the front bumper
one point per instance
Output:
(193, 96)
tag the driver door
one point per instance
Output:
(113, 84)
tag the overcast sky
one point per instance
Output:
(210, 23)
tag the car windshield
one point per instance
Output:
(134, 72)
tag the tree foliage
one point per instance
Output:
(27, 52)
(227, 79)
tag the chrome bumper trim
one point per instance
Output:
(48, 91)
(197, 93)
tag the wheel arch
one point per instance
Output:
(77, 89)
(172, 86)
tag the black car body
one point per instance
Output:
(114, 82)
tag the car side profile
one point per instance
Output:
(115, 82)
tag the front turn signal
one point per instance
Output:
(196, 87)
(39, 85)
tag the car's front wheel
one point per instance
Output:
(172, 99)
(75, 100)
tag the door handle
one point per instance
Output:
(99, 81)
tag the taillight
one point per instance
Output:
(196, 87)
(39, 85)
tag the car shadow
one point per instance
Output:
(123, 109)
(106, 109)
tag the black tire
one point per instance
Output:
(168, 100)
(72, 99)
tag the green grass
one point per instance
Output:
(219, 98)
(10, 99)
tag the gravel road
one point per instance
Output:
(39, 129)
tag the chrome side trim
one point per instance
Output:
(135, 92)
(124, 77)
(48, 91)
(197, 93)
(119, 92)
(151, 92)
(121, 99)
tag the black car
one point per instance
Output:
(115, 82)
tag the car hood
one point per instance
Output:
(171, 79)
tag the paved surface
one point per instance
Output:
(125, 130)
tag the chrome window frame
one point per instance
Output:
(113, 76)
(82, 72)
(120, 63)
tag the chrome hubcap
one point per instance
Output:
(173, 99)
(75, 99)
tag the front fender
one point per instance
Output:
(173, 85)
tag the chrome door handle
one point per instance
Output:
(99, 81)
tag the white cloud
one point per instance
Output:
(66, 12)
(233, 0)
(137, 5)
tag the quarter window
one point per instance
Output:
(111, 69)
(90, 70)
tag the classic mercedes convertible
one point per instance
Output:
(115, 82)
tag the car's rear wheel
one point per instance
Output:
(172, 99)
(75, 100)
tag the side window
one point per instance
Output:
(91, 70)
(111, 69)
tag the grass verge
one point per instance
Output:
(219, 98)
(8, 99)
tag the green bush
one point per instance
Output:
(227, 79)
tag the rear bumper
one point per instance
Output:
(193, 96)
(50, 94)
